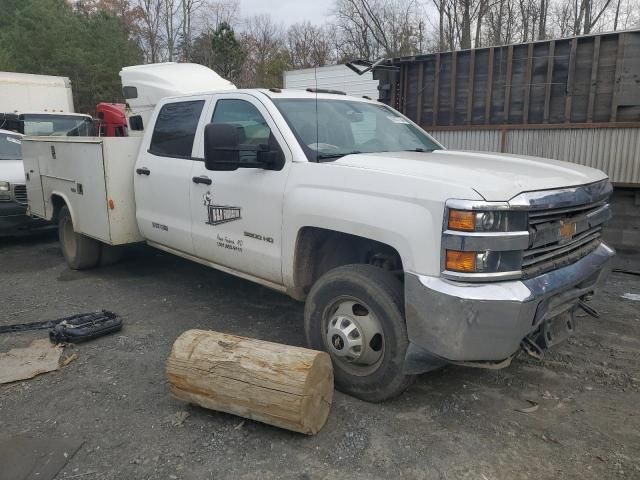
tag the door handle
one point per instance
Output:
(202, 179)
(143, 171)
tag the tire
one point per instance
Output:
(375, 299)
(79, 251)
(110, 255)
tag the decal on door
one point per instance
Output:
(160, 226)
(257, 236)
(217, 214)
(229, 243)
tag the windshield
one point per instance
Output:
(57, 125)
(10, 147)
(343, 127)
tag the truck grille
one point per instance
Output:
(20, 194)
(559, 237)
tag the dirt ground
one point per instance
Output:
(453, 424)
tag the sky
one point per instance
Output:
(289, 11)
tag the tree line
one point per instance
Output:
(91, 40)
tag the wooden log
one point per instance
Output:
(289, 387)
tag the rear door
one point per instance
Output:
(162, 179)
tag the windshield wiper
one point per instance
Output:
(418, 149)
(326, 156)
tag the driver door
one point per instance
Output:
(236, 216)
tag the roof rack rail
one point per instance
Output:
(324, 90)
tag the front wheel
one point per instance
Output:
(356, 314)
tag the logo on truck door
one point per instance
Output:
(217, 214)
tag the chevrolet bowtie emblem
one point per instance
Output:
(567, 230)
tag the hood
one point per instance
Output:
(495, 176)
(12, 171)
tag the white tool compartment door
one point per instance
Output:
(31, 153)
(74, 171)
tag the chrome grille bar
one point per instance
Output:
(20, 194)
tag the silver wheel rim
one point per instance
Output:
(353, 336)
(69, 238)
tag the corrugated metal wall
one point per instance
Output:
(332, 77)
(616, 151)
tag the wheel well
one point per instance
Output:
(58, 202)
(319, 250)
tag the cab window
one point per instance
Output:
(253, 128)
(175, 129)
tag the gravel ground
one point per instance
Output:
(452, 424)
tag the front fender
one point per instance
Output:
(406, 226)
(50, 206)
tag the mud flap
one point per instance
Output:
(85, 326)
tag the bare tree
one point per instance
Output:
(373, 27)
(501, 23)
(150, 14)
(309, 45)
(170, 10)
(542, 25)
(212, 13)
(266, 54)
(593, 13)
(188, 9)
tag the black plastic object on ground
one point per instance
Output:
(85, 326)
(74, 329)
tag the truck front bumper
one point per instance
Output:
(454, 321)
(14, 219)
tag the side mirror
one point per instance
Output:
(135, 123)
(221, 147)
(271, 159)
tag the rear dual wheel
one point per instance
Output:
(356, 314)
(82, 252)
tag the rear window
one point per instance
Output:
(175, 129)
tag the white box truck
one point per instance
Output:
(25, 92)
(32, 105)
(409, 256)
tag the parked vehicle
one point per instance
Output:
(49, 124)
(13, 193)
(409, 256)
(112, 120)
(25, 92)
(32, 105)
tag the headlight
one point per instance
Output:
(5, 191)
(485, 221)
(483, 241)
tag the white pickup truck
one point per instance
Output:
(409, 256)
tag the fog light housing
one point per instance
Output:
(481, 262)
(458, 261)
